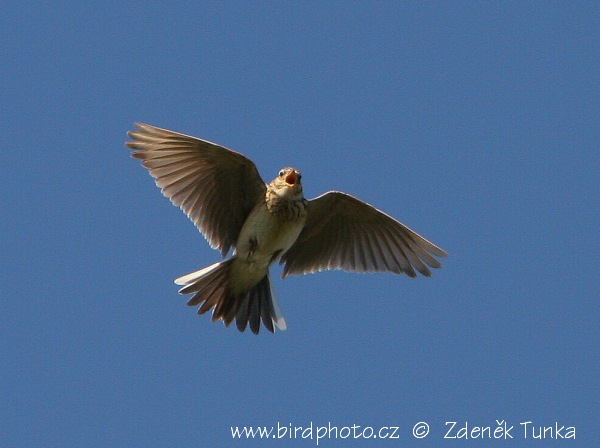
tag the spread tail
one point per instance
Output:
(211, 288)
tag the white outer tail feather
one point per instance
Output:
(279, 320)
(193, 276)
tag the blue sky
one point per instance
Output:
(474, 123)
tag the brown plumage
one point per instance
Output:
(222, 193)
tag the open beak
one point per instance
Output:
(291, 179)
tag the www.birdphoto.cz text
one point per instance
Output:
(452, 430)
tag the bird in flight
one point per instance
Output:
(223, 194)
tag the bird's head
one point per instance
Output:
(287, 183)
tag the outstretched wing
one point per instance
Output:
(343, 232)
(215, 187)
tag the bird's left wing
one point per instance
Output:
(343, 232)
(215, 187)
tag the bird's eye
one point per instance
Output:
(281, 173)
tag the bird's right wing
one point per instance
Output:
(343, 232)
(215, 187)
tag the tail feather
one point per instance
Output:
(249, 308)
(266, 309)
(208, 304)
(243, 313)
(278, 318)
(191, 278)
(206, 288)
(258, 306)
(254, 317)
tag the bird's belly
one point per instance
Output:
(264, 237)
(262, 240)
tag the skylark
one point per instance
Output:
(222, 193)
